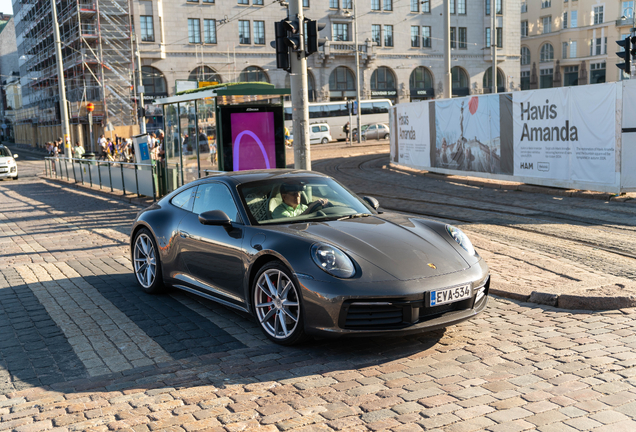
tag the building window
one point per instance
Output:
(598, 14)
(461, 7)
(426, 37)
(628, 9)
(388, 5)
(305, 3)
(376, 34)
(209, 31)
(498, 7)
(147, 29)
(459, 78)
(488, 44)
(347, 4)
(341, 79)
(375, 5)
(573, 49)
(545, 79)
(382, 79)
(243, 2)
(244, 32)
(340, 31)
(525, 56)
(574, 15)
(420, 78)
(499, 37)
(453, 36)
(462, 38)
(525, 80)
(524, 7)
(546, 24)
(415, 5)
(208, 1)
(426, 6)
(452, 6)
(204, 73)
(253, 74)
(546, 4)
(524, 29)
(570, 76)
(259, 32)
(565, 50)
(598, 46)
(194, 31)
(415, 36)
(547, 53)
(388, 35)
(333, 4)
(257, 2)
(597, 73)
(565, 20)
(153, 81)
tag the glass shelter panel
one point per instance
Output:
(189, 143)
(172, 179)
(206, 117)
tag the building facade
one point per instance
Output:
(10, 90)
(565, 43)
(401, 44)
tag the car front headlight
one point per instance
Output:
(332, 260)
(461, 238)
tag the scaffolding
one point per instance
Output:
(97, 58)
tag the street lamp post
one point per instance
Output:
(62, 87)
(355, 41)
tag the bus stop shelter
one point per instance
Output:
(224, 127)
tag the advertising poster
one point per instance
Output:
(468, 134)
(141, 147)
(413, 136)
(253, 140)
(566, 133)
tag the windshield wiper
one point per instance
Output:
(357, 215)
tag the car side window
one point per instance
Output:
(315, 128)
(183, 200)
(216, 196)
(372, 127)
(323, 128)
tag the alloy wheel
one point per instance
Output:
(145, 261)
(277, 304)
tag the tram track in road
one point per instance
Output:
(455, 202)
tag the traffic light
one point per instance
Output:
(626, 54)
(293, 33)
(313, 41)
(282, 50)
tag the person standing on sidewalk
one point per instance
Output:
(78, 150)
(101, 145)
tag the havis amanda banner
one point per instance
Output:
(566, 133)
(412, 134)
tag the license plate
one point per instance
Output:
(4, 170)
(450, 295)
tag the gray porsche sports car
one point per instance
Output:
(306, 256)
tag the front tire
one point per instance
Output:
(324, 141)
(146, 262)
(386, 136)
(277, 304)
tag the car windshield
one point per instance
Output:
(301, 200)
(4, 152)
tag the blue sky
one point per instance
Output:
(5, 6)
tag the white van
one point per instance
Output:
(319, 133)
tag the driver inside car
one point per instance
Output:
(291, 205)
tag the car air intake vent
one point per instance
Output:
(431, 312)
(373, 316)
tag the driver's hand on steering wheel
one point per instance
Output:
(314, 206)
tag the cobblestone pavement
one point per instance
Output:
(81, 348)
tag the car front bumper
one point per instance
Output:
(6, 172)
(394, 307)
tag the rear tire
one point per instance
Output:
(386, 136)
(146, 262)
(277, 304)
(324, 141)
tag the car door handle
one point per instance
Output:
(184, 234)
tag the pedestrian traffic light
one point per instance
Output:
(626, 54)
(282, 50)
(313, 41)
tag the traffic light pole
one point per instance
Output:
(140, 90)
(300, 97)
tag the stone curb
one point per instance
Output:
(570, 301)
(515, 186)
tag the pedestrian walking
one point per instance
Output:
(346, 129)
(101, 145)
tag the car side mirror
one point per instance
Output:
(372, 202)
(215, 217)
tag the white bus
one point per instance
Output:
(336, 115)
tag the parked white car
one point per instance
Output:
(8, 167)
(318, 133)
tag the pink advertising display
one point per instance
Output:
(253, 140)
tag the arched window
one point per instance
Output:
(421, 78)
(153, 81)
(460, 77)
(204, 73)
(341, 79)
(383, 79)
(253, 74)
(525, 56)
(547, 53)
(501, 79)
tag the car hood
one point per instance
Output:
(4, 160)
(405, 251)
